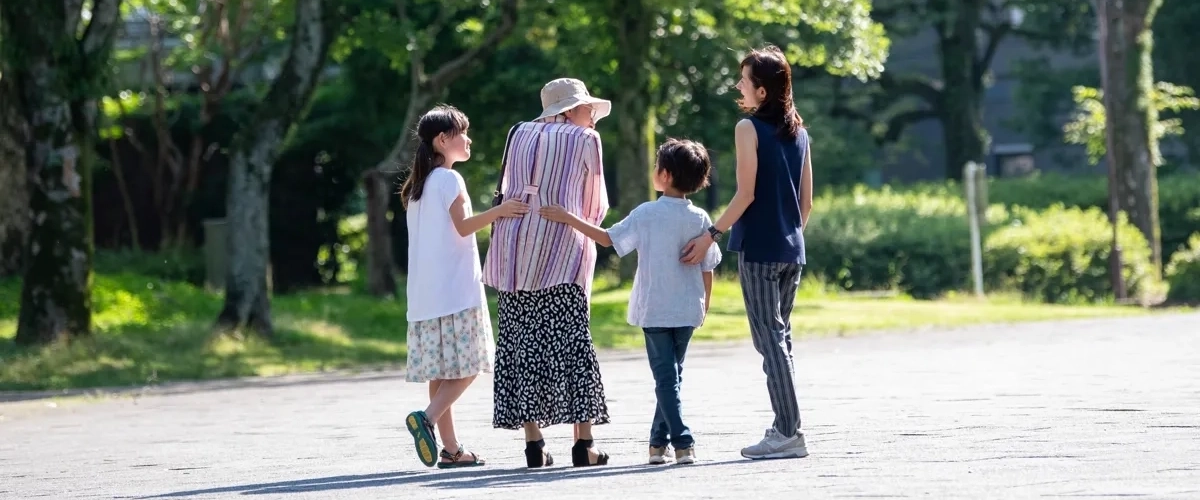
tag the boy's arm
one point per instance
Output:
(592, 231)
(559, 214)
(708, 279)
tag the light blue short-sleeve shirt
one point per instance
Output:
(666, 292)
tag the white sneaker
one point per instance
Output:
(776, 445)
(658, 455)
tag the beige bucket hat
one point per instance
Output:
(563, 94)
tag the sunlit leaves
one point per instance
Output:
(198, 35)
(837, 35)
(112, 109)
(1088, 126)
(424, 24)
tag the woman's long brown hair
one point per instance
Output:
(770, 70)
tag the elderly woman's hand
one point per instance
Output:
(555, 213)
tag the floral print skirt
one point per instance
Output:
(451, 347)
(546, 368)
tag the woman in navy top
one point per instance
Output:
(766, 220)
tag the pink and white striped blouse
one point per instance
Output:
(549, 163)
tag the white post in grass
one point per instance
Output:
(970, 171)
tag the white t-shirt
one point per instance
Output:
(444, 276)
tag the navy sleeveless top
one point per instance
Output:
(769, 230)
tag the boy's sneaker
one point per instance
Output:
(658, 455)
(685, 456)
(776, 445)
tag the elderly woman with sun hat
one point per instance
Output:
(546, 371)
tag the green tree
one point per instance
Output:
(1126, 69)
(214, 43)
(1174, 54)
(668, 55)
(1044, 96)
(257, 146)
(57, 63)
(14, 191)
(418, 27)
(1088, 127)
(968, 35)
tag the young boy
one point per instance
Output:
(669, 299)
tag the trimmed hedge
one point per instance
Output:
(1061, 255)
(886, 239)
(1183, 273)
(1178, 199)
(919, 243)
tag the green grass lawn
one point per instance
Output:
(148, 331)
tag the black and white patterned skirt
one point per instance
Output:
(546, 369)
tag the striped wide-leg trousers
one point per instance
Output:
(769, 290)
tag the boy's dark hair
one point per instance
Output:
(687, 162)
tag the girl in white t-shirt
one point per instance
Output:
(449, 329)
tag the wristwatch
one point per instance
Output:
(714, 233)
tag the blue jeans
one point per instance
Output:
(666, 348)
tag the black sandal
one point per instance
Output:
(536, 454)
(454, 463)
(579, 454)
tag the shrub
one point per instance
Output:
(340, 261)
(1178, 198)
(1061, 255)
(868, 240)
(1183, 273)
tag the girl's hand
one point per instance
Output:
(511, 208)
(555, 214)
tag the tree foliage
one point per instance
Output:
(967, 35)
(1088, 126)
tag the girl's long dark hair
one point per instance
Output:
(443, 118)
(770, 70)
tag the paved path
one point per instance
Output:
(1073, 409)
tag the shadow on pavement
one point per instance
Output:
(192, 387)
(456, 479)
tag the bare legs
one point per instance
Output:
(582, 430)
(442, 395)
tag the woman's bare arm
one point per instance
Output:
(806, 186)
(745, 140)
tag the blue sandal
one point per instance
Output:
(422, 432)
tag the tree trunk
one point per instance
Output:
(247, 298)
(56, 293)
(1127, 76)
(14, 187)
(381, 263)
(135, 239)
(632, 110)
(379, 184)
(961, 107)
(381, 271)
(55, 71)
